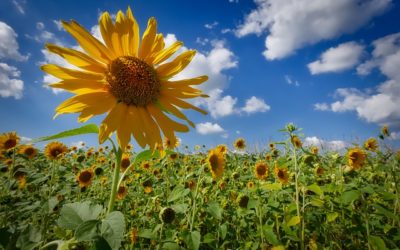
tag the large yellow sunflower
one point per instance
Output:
(216, 162)
(127, 78)
(356, 158)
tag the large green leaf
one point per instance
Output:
(215, 210)
(178, 193)
(87, 231)
(350, 196)
(74, 214)
(86, 129)
(377, 243)
(112, 229)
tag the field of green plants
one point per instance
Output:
(287, 197)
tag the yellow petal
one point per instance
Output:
(124, 131)
(152, 129)
(165, 122)
(168, 70)
(65, 73)
(111, 122)
(148, 38)
(134, 36)
(77, 58)
(107, 29)
(118, 34)
(173, 110)
(137, 125)
(186, 82)
(80, 85)
(181, 95)
(90, 44)
(166, 53)
(178, 102)
(158, 45)
(78, 103)
(106, 105)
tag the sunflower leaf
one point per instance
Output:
(86, 129)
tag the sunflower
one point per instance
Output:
(8, 141)
(319, 171)
(55, 149)
(271, 146)
(356, 158)
(22, 182)
(146, 165)
(128, 147)
(122, 192)
(125, 161)
(85, 177)
(216, 163)
(148, 186)
(133, 235)
(268, 157)
(261, 170)
(371, 144)
(169, 144)
(385, 130)
(314, 150)
(28, 150)
(250, 184)
(296, 141)
(128, 78)
(222, 148)
(282, 174)
(240, 144)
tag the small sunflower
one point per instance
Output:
(133, 235)
(240, 144)
(8, 141)
(216, 163)
(122, 192)
(125, 161)
(173, 156)
(222, 148)
(170, 144)
(296, 141)
(146, 165)
(28, 150)
(371, 144)
(282, 174)
(85, 177)
(385, 130)
(319, 171)
(128, 147)
(128, 78)
(148, 186)
(250, 184)
(22, 182)
(314, 150)
(271, 146)
(261, 170)
(55, 149)
(268, 157)
(356, 158)
(243, 200)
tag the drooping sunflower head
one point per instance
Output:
(240, 144)
(125, 161)
(385, 130)
(28, 150)
(55, 149)
(122, 192)
(8, 141)
(216, 163)
(222, 148)
(296, 141)
(261, 170)
(128, 78)
(356, 158)
(85, 177)
(371, 144)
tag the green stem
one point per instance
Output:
(296, 175)
(114, 185)
(199, 180)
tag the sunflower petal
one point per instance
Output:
(111, 122)
(107, 29)
(168, 70)
(178, 102)
(173, 110)
(186, 82)
(153, 131)
(90, 44)
(65, 73)
(134, 121)
(77, 58)
(90, 111)
(165, 121)
(166, 53)
(79, 85)
(158, 45)
(134, 36)
(149, 36)
(77, 103)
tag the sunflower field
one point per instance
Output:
(286, 197)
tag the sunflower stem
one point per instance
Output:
(115, 182)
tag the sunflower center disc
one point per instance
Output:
(133, 81)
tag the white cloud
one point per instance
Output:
(335, 145)
(42, 35)
(290, 81)
(255, 105)
(77, 144)
(19, 6)
(211, 25)
(25, 140)
(209, 128)
(234, 1)
(293, 24)
(218, 105)
(321, 106)
(225, 31)
(202, 41)
(10, 84)
(336, 59)
(8, 44)
(58, 24)
(380, 104)
(394, 136)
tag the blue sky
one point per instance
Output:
(331, 67)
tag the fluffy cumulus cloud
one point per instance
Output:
(381, 104)
(344, 56)
(10, 84)
(293, 24)
(334, 145)
(255, 105)
(209, 128)
(9, 48)
(321, 106)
